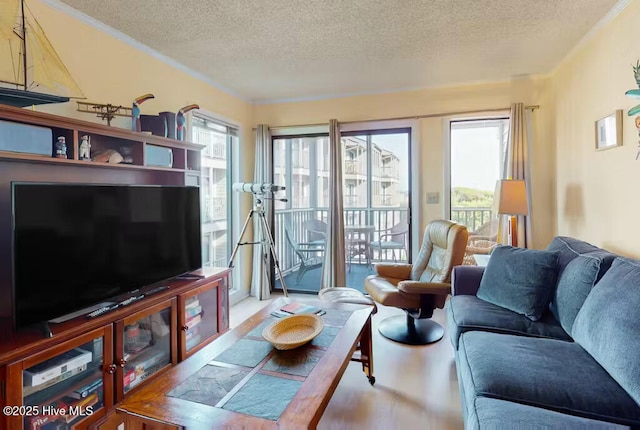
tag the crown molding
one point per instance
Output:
(610, 16)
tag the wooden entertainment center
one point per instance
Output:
(89, 365)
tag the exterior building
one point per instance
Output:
(308, 180)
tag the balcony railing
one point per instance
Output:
(215, 146)
(352, 167)
(389, 172)
(215, 208)
(471, 217)
(215, 150)
(379, 218)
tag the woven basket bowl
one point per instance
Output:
(294, 331)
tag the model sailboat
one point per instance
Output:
(31, 71)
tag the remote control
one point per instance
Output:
(100, 311)
(129, 300)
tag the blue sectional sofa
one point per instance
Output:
(576, 366)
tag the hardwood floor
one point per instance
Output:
(416, 386)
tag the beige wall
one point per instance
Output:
(430, 133)
(597, 190)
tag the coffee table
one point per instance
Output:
(241, 381)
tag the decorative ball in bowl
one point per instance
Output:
(294, 331)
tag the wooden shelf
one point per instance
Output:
(50, 160)
(10, 113)
(185, 155)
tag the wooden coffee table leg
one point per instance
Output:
(366, 352)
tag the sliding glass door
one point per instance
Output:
(376, 204)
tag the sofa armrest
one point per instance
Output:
(465, 280)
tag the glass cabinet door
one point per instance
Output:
(198, 317)
(66, 385)
(146, 339)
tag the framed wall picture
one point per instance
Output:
(609, 131)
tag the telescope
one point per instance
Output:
(256, 188)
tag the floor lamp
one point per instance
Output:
(511, 199)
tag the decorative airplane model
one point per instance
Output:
(104, 111)
(108, 111)
(166, 124)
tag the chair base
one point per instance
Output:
(409, 331)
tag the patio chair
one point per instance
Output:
(394, 238)
(481, 241)
(317, 231)
(309, 254)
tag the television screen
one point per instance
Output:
(77, 245)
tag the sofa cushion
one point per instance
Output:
(467, 313)
(546, 373)
(522, 280)
(608, 324)
(493, 414)
(569, 248)
(574, 285)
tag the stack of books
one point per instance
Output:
(61, 413)
(94, 386)
(146, 364)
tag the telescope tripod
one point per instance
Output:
(267, 238)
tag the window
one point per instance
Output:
(477, 155)
(218, 139)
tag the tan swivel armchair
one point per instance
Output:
(420, 287)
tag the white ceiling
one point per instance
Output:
(275, 50)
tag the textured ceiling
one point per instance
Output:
(298, 49)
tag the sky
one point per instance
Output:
(475, 158)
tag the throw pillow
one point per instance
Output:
(607, 325)
(570, 248)
(574, 285)
(521, 280)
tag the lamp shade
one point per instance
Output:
(510, 197)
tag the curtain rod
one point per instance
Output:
(431, 115)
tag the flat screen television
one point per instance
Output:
(77, 245)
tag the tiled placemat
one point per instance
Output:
(299, 361)
(264, 396)
(325, 337)
(245, 352)
(257, 330)
(208, 385)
